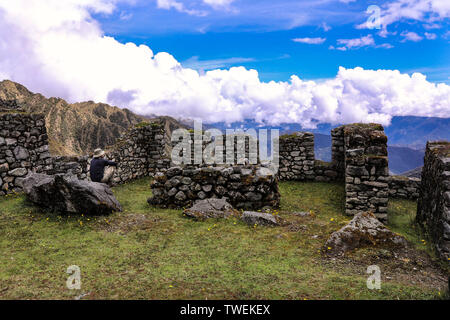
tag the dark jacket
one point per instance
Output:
(98, 168)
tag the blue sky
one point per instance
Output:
(278, 62)
(259, 35)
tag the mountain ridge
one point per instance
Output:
(77, 128)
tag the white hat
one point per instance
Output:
(98, 153)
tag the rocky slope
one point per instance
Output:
(78, 128)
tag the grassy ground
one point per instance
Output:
(149, 253)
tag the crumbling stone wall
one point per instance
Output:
(245, 187)
(404, 187)
(23, 148)
(139, 153)
(297, 160)
(297, 156)
(366, 169)
(433, 209)
(78, 166)
(338, 151)
(246, 146)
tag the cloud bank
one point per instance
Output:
(56, 48)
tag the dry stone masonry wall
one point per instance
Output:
(245, 187)
(228, 146)
(433, 209)
(297, 156)
(404, 187)
(23, 148)
(297, 160)
(366, 170)
(139, 153)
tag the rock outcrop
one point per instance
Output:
(363, 230)
(67, 194)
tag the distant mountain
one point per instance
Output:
(403, 159)
(79, 128)
(407, 137)
(414, 132)
(414, 173)
(411, 132)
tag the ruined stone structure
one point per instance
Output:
(359, 158)
(24, 149)
(245, 187)
(433, 209)
(235, 147)
(139, 153)
(404, 187)
(366, 168)
(297, 157)
(297, 160)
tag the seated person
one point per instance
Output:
(98, 171)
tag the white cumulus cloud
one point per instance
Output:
(310, 40)
(410, 36)
(57, 48)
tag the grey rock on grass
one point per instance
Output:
(259, 218)
(210, 208)
(67, 194)
(363, 230)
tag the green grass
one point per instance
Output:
(149, 253)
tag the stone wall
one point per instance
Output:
(338, 151)
(139, 153)
(230, 146)
(297, 157)
(404, 187)
(76, 165)
(23, 148)
(433, 209)
(366, 170)
(245, 187)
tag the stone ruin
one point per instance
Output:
(366, 170)
(359, 159)
(24, 149)
(143, 151)
(433, 209)
(245, 187)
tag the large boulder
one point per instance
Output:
(67, 194)
(363, 230)
(210, 208)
